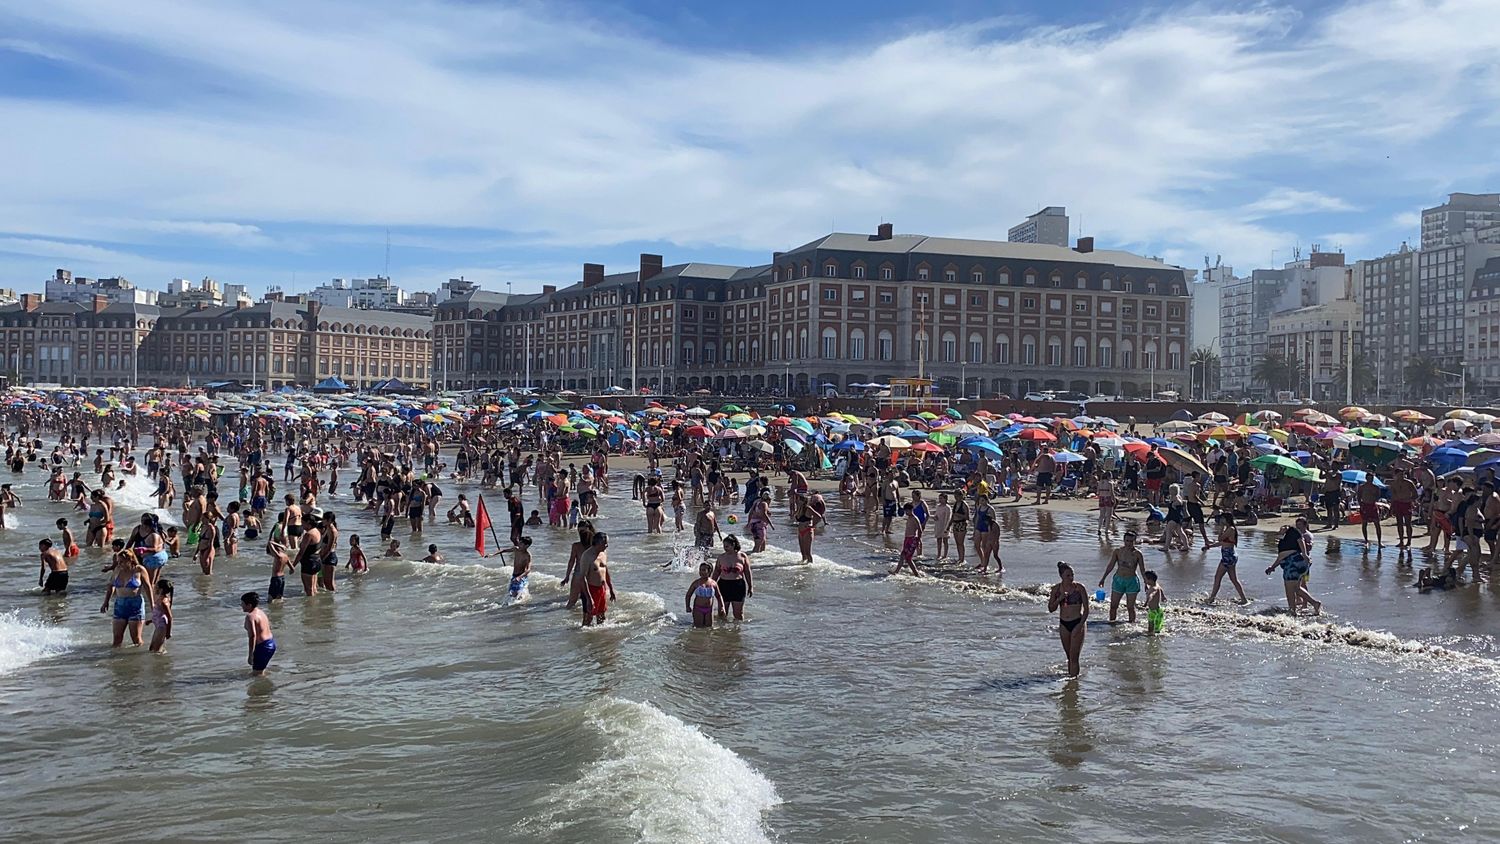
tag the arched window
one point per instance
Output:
(802, 344)
(1080, 352)
(787, 345)
(919, 346)
(830, 345)
(1174, 355)
(755, 350)
(1127, 354)
(857, 344)
(1148, 355)
(949, 347)
(1106, 283)
(1106, 353)
(885, 345)
(689, 351)
(740, 352)
(976, 349)
(1002, 349)
(728, 352)
(1054, 351)
(1028, 350)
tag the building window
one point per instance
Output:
(949, 348)
(1080, 352)
(976, 349)
(886, 273)
(1028, 303)
(950, 299)
(884, 345)
(830, 294)
(857, 344)
(1081, 306)
(830, 344)
(1003, 277)
(921, 298)
(1174, 311)
(1106, 353)
(1028, 351)
(919, 346)
(1174, 355)
(1002, 301)
(886, 298)
(922, 274)
(1054, 352)
(1150, 311)
(1054, 305)
(1127, 355)
(830, 271)
(856, 295)
(1002, 349)
(1106, 307)
(950, 275)
(977, 277)
(859, 271)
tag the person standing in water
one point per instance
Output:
(702, 596)
(1229, 539)
(1070, 600)
(601, 589)
(130, 589)
(573, 575)
(731, 574)
(258, 631)
(1126, 563)
(53, 577)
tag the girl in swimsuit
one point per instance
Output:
(161, 616)
(1229, 537)
(986, 538)
(702, 597)
(1071, 603)
(1105, 488)
(760, 522)
(959, 526)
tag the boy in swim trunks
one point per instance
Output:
(520, 567)
(1155, 615)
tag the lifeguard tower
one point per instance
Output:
(911, 395)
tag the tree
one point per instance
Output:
(1276, 371)
(1364, 379)
(1424, 376)
(1203, 370)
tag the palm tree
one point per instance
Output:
(1423, 376)
(1364, 379)
(1276, 371)
(1203, 364)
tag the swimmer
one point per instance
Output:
(258, 631)
(520, 567)
(1155, 615)
(702, 597)
(731, 576)
(53, 577)
(432, 555)
(1229, 538)
(357, 562)
(392, 551)
(911, 540)
(595, 565)
(1070, 600)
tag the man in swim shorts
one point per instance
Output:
(1368, 495)
(1403, 505)
(601, 589)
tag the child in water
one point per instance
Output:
(174, 544)
(393, 551)
(703, 597)
(161, 616)
(535, 520)
(68, 544)
(432, 555)
(520, 567)
(1155, 615)
(357, 562)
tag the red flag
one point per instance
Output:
(481, 524)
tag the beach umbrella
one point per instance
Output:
(954, 413)
(1426, 443)
(1174, 426)
(761, 446)
(1181, 460)
(794, 446)
(699, 431)
(1489, 439)
(1068, 457)
(927, 448)
(848, 445)
(1265, 461)
(1410, 416)
(1220, 432)
(1481, 418)
(1355, 476)
(964, 429)
(981, 444)
(1460, 413)
(1268, 448)
(698, 411)
(891, 442)
(1481, 456)
(1036, 435)
(730, 434)
(1453, 426)
(1213, 418)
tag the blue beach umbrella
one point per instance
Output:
(981, 444)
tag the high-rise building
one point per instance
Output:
(1049, 226)
(1203, 326)
(373, 293)
(1387, 294)
(1461, 218)
(64, 287)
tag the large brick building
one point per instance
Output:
(843, 309)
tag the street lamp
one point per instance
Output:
(963, 379)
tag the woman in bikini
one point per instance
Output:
(959, 526)
(806, 519)
(702, 597)
(1070, 600)
(986, 536)
(652, 499)
(760, 522)
(128, 594)
(1229, 537)
(1104, 487)
(732, 573)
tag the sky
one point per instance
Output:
(287, 143)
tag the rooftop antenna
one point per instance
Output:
(386, 273)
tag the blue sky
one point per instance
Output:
(278, 142)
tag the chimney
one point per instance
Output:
(885, 231)
(1085, 244)
(30, 301)
(592, 274)
(776, 257)
(650, 266)
(549, 289)
(100, 302)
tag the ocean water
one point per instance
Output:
(420, 704)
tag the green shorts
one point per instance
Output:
(1125, 585)
(1155, 619)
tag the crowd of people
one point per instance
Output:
(894, 473)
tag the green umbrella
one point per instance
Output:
(1303, 473)
(954, 412)
(731, 408)
(1267, 460)
(941, 438)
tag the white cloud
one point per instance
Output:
(526, 118)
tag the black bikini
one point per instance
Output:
(1074, 596)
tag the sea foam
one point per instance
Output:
(23, 642)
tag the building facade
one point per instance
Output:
(374, 293)
(982, 316)
(1462, 218)
(1244, 318)
(63, 287)
(1387, 295)
(278, 343)
(1322, 339)
(1048, 226)
(73, 344)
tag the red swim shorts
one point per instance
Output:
(1153, 484)
(1369, 512)
(1401, 508)
(598, 600)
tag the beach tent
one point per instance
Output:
(330, 385)
(392, 385)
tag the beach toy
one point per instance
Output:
(1099, 594)
(733, 519)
